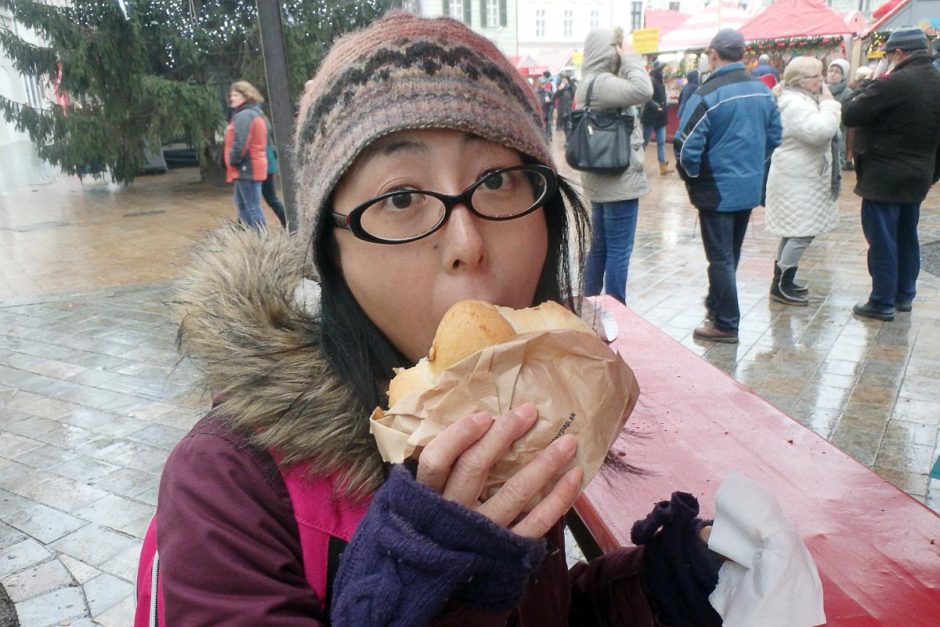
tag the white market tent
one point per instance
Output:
(698, 30)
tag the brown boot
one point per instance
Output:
(710, 333)
(664, 169)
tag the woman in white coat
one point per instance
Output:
(804, 177)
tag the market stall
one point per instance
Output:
(788, 28)
(698, 30)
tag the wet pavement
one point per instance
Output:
(92, 396)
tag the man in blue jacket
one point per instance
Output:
(728, 129)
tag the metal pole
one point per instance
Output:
(282, 109)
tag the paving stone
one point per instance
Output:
(46, 457)
(44, 523)
(121, 615)
(79, 570)
(12, 445)
(9, 536)
(59, 607)
(11, 503)
(38, 405)
(60, 492)
(93, 544)
(30, 426)
(114, 511)
(21, 555)
(127, 482)
(160, 436)
(84, 469)
(124, 564)
(37, 580)
(904, 456)
(104, 592)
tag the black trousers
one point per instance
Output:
(722, 236)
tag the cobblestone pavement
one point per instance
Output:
(92, 397)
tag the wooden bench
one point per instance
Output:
(876, 548)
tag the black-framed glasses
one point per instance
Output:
(409, 214)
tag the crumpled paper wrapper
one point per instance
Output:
(772, 580)
(579, 385)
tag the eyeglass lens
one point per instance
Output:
(501, 195)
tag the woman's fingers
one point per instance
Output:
(550, 509)
(540, 476)
(472, 469)
(438, 458)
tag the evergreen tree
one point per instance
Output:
(141, 72)
(130, 82)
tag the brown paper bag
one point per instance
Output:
(578, 384)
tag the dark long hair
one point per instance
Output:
(361, 354)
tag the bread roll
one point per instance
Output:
(468, 327)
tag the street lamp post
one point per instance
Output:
(282, 109)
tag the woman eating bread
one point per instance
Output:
(424, 179)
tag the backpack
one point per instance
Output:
(326, 523)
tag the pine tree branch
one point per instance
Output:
(28, 58)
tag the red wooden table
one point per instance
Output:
(876, 548)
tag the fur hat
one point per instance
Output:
(912, 38)
(403, 73)
(843, 65)
(729, 44)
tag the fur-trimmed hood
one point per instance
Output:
(259, 352)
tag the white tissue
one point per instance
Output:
(772, 579)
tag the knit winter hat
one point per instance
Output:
(843, 65)
(404, 72)
(906, 39)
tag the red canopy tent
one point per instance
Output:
(664, 19)
(527, 66)
(794, 18)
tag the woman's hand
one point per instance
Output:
(824, 93)
(458, 461)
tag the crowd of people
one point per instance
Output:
(424, 169)
(782, 140)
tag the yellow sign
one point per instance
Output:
(645, 40)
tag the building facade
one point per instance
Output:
(494, 19)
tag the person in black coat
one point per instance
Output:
(564, 96)
(688, 89)
(897, 159)
(654, 116)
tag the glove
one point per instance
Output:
(679, 570)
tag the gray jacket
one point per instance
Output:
(628, 88)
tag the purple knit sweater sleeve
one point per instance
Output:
(414, 551)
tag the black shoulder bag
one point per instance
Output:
(600, 140)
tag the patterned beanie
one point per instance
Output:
(403, 73)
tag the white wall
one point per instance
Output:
(503, 36)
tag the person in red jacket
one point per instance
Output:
(425, 178)
(246, 161)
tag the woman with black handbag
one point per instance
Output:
(617, 79)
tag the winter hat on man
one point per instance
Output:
(843, 65)
(912, 38)
(729, 44)
(403, 73)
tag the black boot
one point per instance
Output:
(780, 292)
(793, 287)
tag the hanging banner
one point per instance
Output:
(645, 40)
